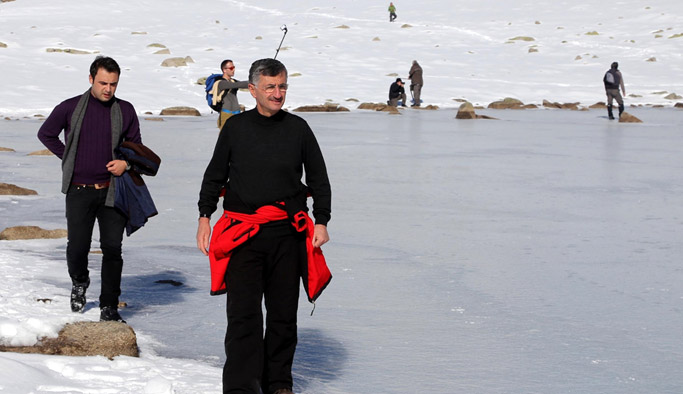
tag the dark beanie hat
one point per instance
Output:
(399, 80)
(615, 65)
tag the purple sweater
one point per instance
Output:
(94, 144)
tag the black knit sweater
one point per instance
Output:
(262, 160)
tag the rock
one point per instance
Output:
(673, 96)
(30, 232)
(572, 106)
(507, 103)
(177, 61)
(429, 107)
(522, 38)
(42, 152)
(3, 45)
(8, 189)
(3, 149)
(342, 27)
(164, 51)
(466, 111)
(181, 111)
(68, 50)
(598, 105)
(379, 107)
(628, 118)
(321, 108)
(678, 105)
(108, 339)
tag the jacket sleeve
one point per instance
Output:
(49, 131)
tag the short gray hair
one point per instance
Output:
(268, 67)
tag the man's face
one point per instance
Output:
(104, 85)
(228, 70)
(270, 93)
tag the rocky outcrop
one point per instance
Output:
(42, 152)
(3, 149)
(379, 107)
(466, 111)
(510, 103)
(108, 339)
(177, 61)
(30, 232)
(8, 189)
(321, 108)
(598, 105)
(571, 106)
(180, 111)
(628, 118)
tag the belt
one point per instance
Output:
(230, 112)
(95, 185)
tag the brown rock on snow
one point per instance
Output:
(108, 339)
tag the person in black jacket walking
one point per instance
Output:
(260, 158)
(613, 80)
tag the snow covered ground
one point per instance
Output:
(475, 51)
(537, 253)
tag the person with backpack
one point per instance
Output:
(613, 80)
(224, 93)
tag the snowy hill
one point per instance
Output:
(340, 50)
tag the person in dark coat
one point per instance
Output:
(396, 92)
(94, 124)
(416, 82)
(613, 80)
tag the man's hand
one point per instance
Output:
(203, 235)
(320, 235)
(117, 167)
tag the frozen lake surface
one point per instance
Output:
(537, 253)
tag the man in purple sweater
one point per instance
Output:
(94, 124)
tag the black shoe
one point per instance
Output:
(110, 313)
(78, 298)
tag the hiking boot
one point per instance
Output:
(283, 391)
(110, 313)
(78, 298)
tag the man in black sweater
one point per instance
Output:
(259, 160)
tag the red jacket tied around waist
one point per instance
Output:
(233, 229)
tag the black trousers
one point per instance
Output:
(267, 267)
(83, 206)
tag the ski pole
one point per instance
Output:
(283, 28)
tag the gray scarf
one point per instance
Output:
(69, 158)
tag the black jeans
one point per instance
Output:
(265, 267)
(83, 206)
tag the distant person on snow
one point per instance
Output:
(396, 92)
(92, 123)
(416, 82)
(613, 81)
(392, 12)
(227, 91)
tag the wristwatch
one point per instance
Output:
(128, 166)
